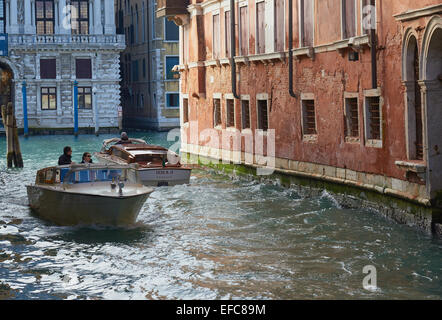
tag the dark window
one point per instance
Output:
(170, 63)
(144, 68)
(216, 112)
(44, 16)
(173, 100)
(48, 98)
(185, 110)
(135, 76)
(84, 68)
(172, 31)
(374, 118)
(80, 17)
(84, 98)
(263, 119)
(230, 112)
(245, 106)
(48, 69)
(2, 16)
(309, 117)
(351, 117)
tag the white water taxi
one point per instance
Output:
(88, 195)
(156, 165)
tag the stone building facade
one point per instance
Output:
(359, 103)
(150, 89)
(55, 45)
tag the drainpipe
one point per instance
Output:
(292, 93)
(374, 71)
(25, 110)
(76, 108)
(233, 48)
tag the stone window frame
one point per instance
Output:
(54, 14)
(166, 94)
(249, 129)
(256, 27)
(184, 97)
(84, 94)
(275, 23)
(308, 137)
(165, 32)
(227, 39)
(217, 96)
(229, 96)
(48, 86)
(79, 20)
(366, 32)
(373, 143)
(262, 97)
(3, 16)
(214, 14)
(352, 95)
(165, 66)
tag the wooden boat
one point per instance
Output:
(156, 165)
(88, 195)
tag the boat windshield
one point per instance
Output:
(91, 175)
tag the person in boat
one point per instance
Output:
(87, 158)
(66, 157)
(124, 139)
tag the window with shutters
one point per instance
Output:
(80, 17)
(244, 31)
(263, 116)
(228, 34)
(216, 37)
(83, 68)
(2, 16)
(306, 22)
(308, 118)
(260, 27)
(85, 98)
(348, 18)
(44, 16)
(48, 68)
(351, 118)
(230, 113)
(245, 114)
(49, 98)
(373, 118)
(279, 25)
(217, 112)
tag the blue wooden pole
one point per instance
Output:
(25, 110)
(76, 108)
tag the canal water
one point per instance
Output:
(221, 237)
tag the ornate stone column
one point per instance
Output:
(14, 17)
(98, 28)
(62, 12)
(28, 18)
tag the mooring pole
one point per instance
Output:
(76, 108)
(13, 153)
(25, 110)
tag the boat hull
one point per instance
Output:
(67, 209)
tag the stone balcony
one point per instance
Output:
(167, 8)
(66, 42)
